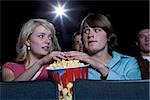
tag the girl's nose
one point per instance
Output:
(47, 40)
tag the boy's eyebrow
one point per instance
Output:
(86, 26)
(97, 27)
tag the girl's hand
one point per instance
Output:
(55, 55)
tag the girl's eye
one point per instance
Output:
(50, 37)
(41, 36)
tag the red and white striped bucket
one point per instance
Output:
(65, 76)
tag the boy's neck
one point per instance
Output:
(103, 56)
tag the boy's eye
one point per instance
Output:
(97, 30)
(86, 30)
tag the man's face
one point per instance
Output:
(95, 39)
(78, 43)
(144, 40)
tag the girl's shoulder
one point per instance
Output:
(15, 67)
(13, 64)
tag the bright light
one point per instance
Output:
(60, 10)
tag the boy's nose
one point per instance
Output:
(90, 34)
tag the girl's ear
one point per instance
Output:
(27, 42)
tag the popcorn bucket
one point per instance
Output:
(65, 77)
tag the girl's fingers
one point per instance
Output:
(62, 57)
(56, 58)
(70, 58)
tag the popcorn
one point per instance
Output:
(65, 64)
(67, 94)
(69, 85)
(65, 91)
(60, 88)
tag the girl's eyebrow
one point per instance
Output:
(41, 33)
(50, 35)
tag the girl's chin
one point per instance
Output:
(44, 53)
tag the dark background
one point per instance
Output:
(126, 17)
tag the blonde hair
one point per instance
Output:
(27, 29)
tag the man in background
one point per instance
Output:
(77, 43)
(143, 56)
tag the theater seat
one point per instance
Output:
(33, 90)
(111, 90)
